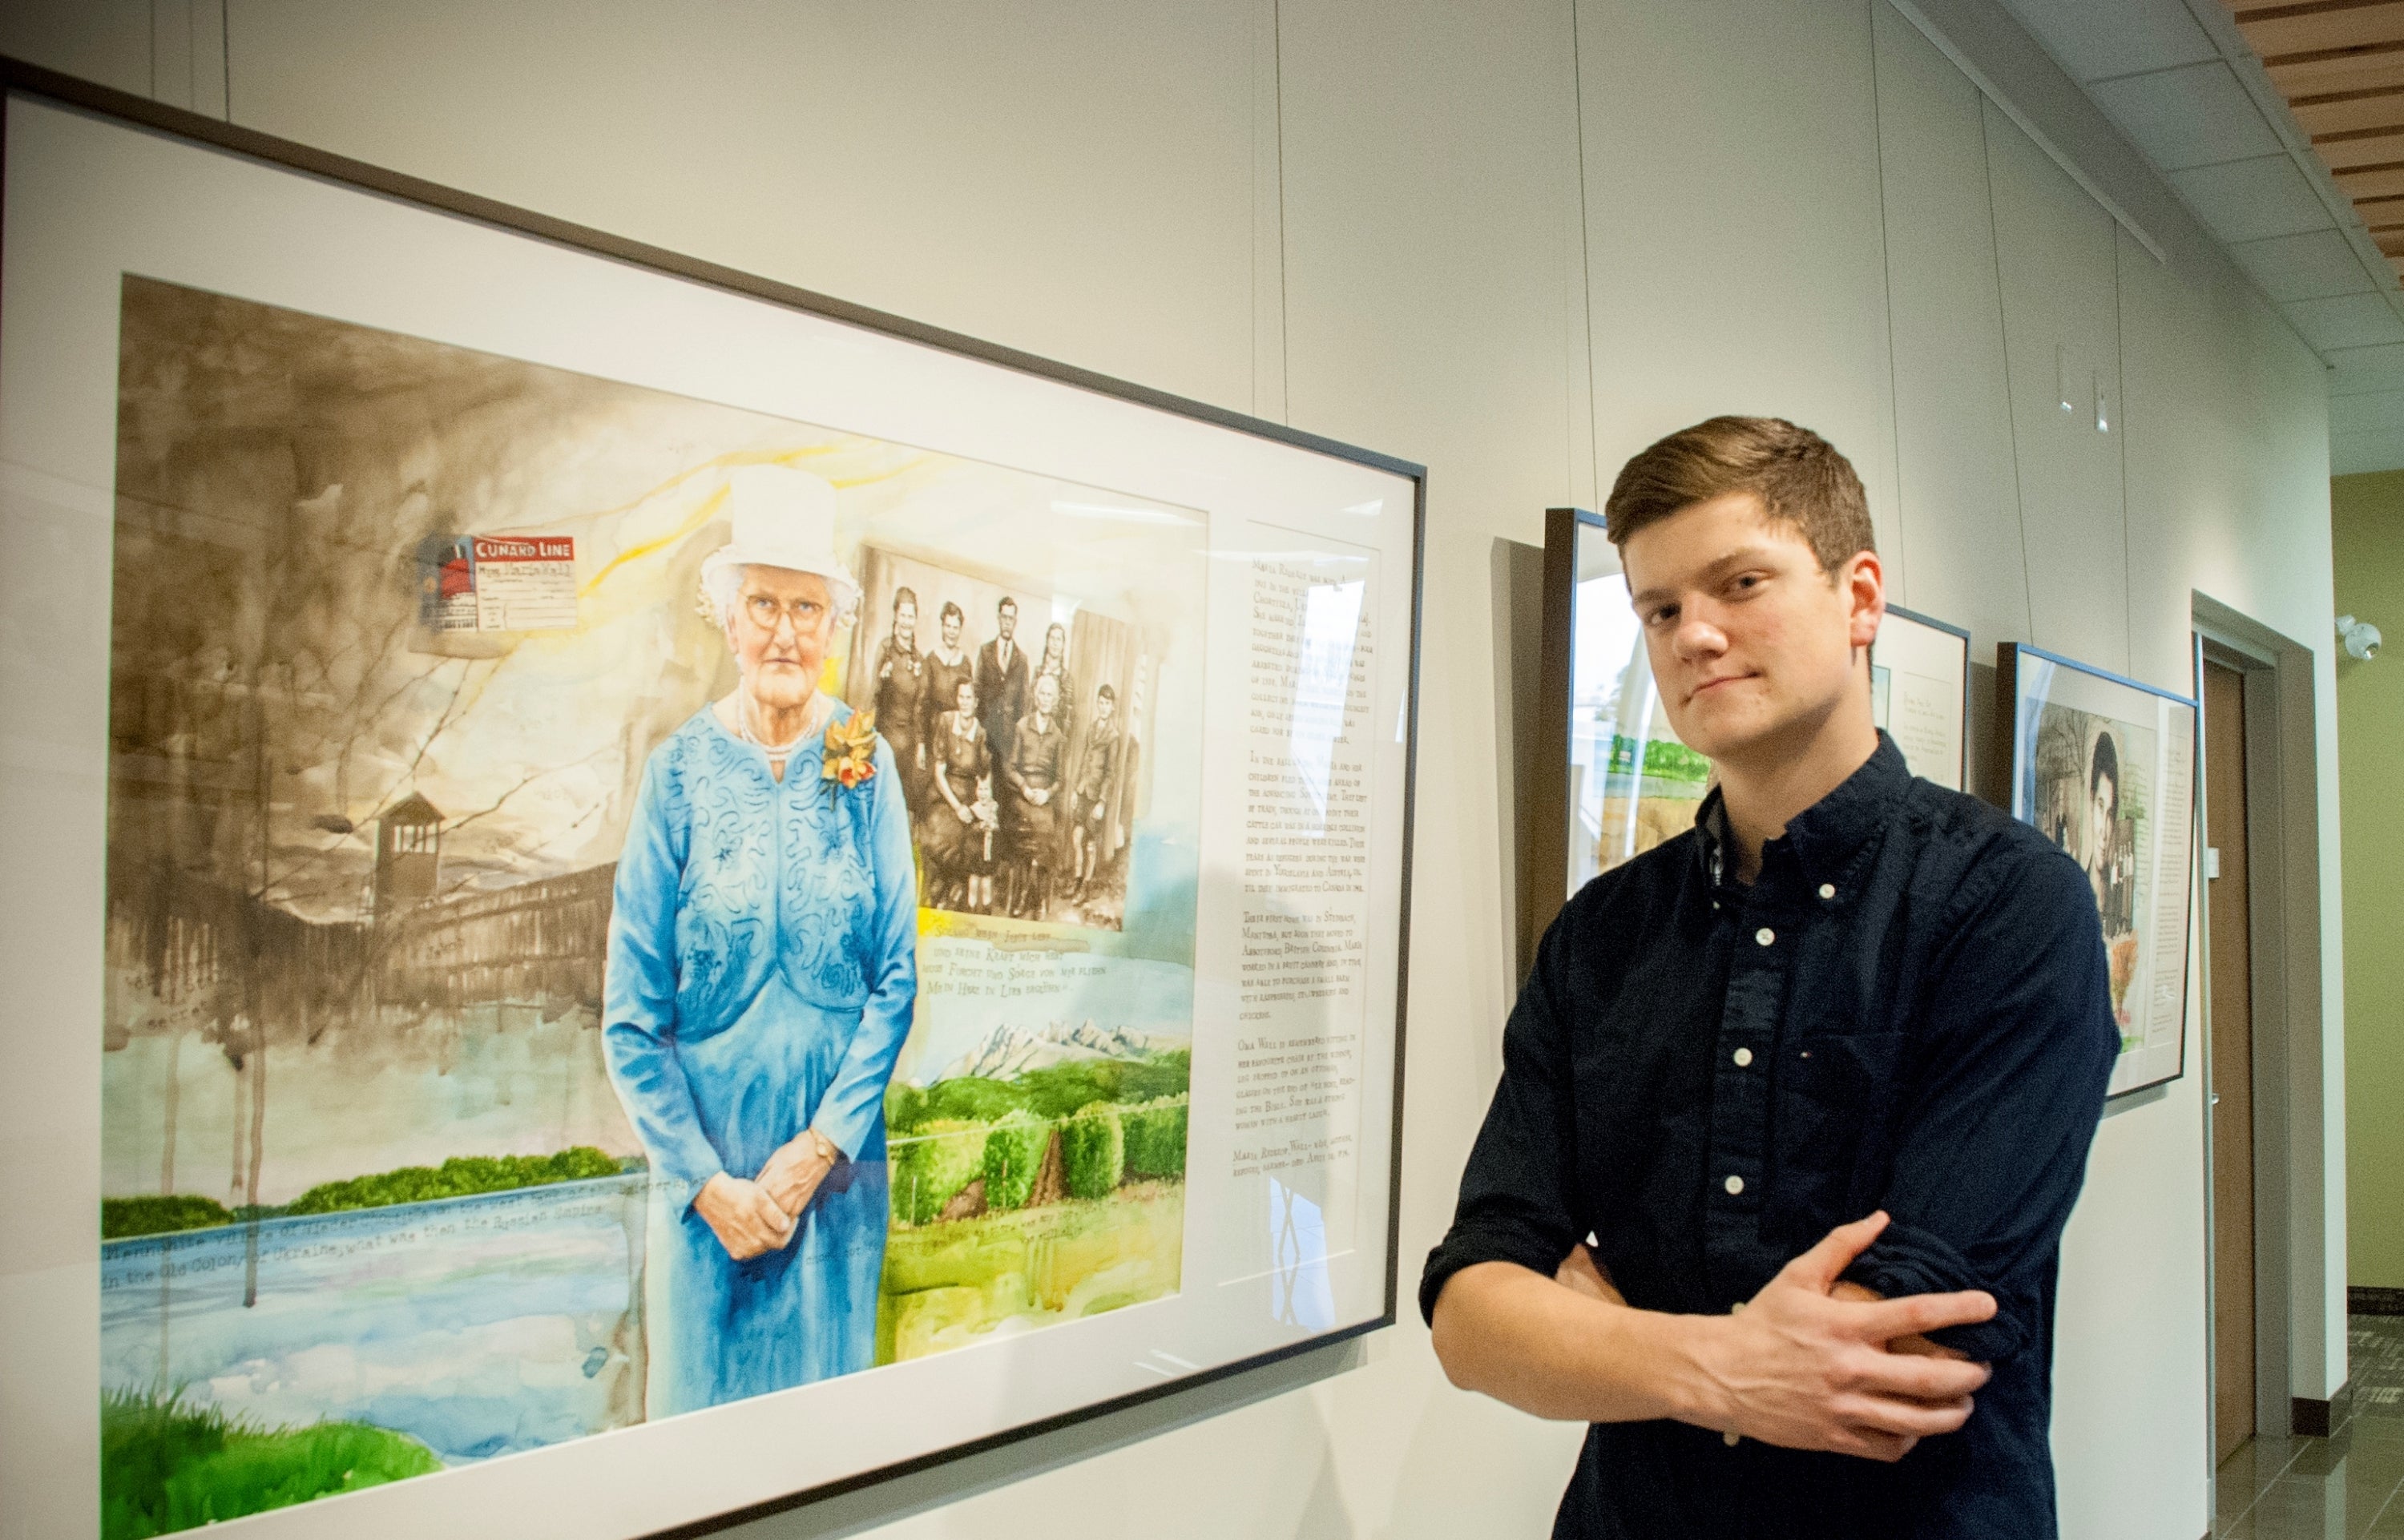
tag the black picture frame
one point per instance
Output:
(2019, 724)
(20, 78)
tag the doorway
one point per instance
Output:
(2229, 925)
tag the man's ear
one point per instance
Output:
(1862, 579)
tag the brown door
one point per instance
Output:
(2232, 1061)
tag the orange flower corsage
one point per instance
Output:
(851, 750)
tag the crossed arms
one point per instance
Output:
(1834, 1354)
(1812, 1362)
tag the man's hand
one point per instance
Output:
(1802, 1368)
(791, 1177)
(746, 1220)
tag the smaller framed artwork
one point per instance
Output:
(1616, 780)
(1920, 676)
(2105, 767)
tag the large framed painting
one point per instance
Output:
(1613, 779)
(2105, 767)
(633, 894)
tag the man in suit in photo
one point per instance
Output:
(1001, 680)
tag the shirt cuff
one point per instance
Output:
(1466, 1247)
(1907, 1260)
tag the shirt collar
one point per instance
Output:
(1826, 836)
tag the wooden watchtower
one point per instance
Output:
(409, 856)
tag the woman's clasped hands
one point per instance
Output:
(753, 1217)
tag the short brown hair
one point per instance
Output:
(1799, 476)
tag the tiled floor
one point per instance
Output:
(2347, 1487)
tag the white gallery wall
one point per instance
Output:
(1515, 241)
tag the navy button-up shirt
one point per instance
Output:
(1909, 1010)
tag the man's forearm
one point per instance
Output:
(1801, 1367)
(1563, 1353)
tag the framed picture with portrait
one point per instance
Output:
(2105, 767)
(657, 895)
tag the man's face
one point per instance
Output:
(1047, 693)
(2102, 812)
(1751, 644)
(1105, 707)
(782, 626)
(1006, 620)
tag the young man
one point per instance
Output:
(1817, 1079)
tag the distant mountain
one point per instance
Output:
(1007, 1051)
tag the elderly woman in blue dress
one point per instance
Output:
(760, 979)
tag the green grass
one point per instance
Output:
(157, 1214)
(166, 1466)
(947, 1285)
(461, 1176)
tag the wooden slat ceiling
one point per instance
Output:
(2340, 66)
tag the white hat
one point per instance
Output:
(782, 517)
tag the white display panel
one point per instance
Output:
(1920, 674)
(1299, 760)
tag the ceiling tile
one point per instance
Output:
(2190, 116)
(2311, 266)
(2353, 371)
(2096, 42)
(2348, 320)
(2251, 199)
(2379, 412)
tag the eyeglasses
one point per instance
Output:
(766, 611)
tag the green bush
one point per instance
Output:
(932, 1165)
(1161, 1075)
(461, 1176)
(159, 1214)
(1013, 1153)
(905, 1107)
(1092, 1152)
(1155, 1139)
(166, 1466)
(974, 1099)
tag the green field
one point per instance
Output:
(461, 1176)
(952, 1283)
(166, 1466)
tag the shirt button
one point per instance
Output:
(1765, 935)
(1742, 1057)
(1827, 889)
(1734, 1185)
(1728, 1438)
